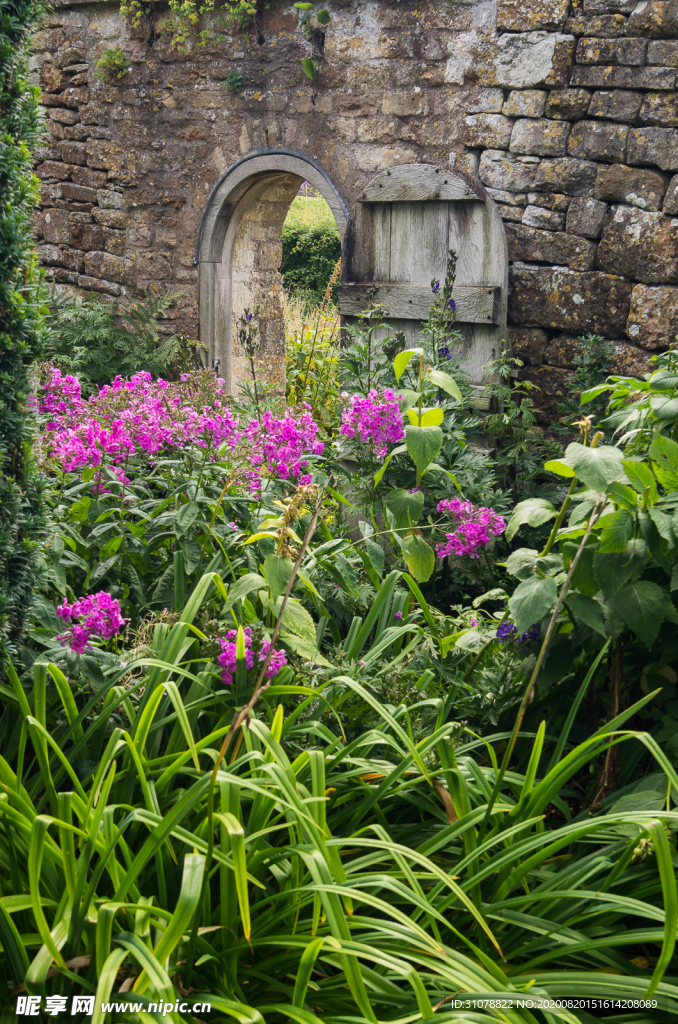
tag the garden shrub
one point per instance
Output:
(311, 248)
(21, 333)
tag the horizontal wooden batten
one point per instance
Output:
(479, 304)
(417, 183)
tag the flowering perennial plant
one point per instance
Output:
(375, 421)
(279, 447)
(228, 660)
(475, 528)
(97, 614)
(507, 631)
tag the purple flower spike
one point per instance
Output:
(453, 305)
(248, 317)
(398, 615)
(436, 287)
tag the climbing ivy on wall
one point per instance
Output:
(187, 13)
(21, 508)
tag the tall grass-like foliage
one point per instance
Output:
(20, 318)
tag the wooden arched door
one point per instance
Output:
(398, 238)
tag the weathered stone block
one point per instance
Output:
(79, 193)
(94, 284)
(53, 78)
(553, 390)
(654, 19)
(492, 131)
(52, 169)
(504, 171)
(49, 254)
(671, 197)
(528, 344)
(87, 236)
(41, 153)
(543, 218)
(663, 52)
(510, 60)
(114, 241)
(640, 244)
(567, 300)
(111, 218)
(611, 51)
(567, 104)
(530, 245)
(549, 201)
(70, 55)
(630, 185)
(76, 132)
(566, 175)
(64, 116)
(74, 97)
(628, 360)
(528, 103)
(660, 108)
(74, 259)
(539, 137)
(609, 6)
(612, 77)
(104, 265)
(606, 25)
(510, 213)
(86, 176)
(508, 198)
(596, 141)
(616, 104)
(653, 146)
(653, 316)
(585, 217)
(73, 152)
(53, 226)
(110, 200)
(528, 15)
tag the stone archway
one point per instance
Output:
(238, 253)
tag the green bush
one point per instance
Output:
(20, 319)
(309, 258)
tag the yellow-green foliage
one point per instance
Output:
(187, 14)
(308, 213)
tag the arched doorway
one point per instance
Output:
(238, 254)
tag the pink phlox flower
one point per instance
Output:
(229, 662)
(95, 614)
(475, 526)
(376, 421)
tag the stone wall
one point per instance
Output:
(566, 111)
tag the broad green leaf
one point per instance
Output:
(641, 477)
(310, 68)
(642, 606)
(445, 382)
(419, 557)
(378, 476)
(623, 496)
(323, 17)
(591, 393)
(278, 572)
(497, 594)
(595, 467)
(259, 536)
(297, 620)
(663, 524)
(376, 556)
(407, 399)
(532, 512)
(402, 360)
(584, 578)
(559, 467)
(304, 7)
(429, 417)
(615, 569)
(423, 444)
(616, 532)
(305, 648)
(185, 517)
(588, 610)
(246, 585)
(521, 562)
(405, 506)
(435, 468)
(531, 601)
(664, 454)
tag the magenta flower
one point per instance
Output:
(375, 422)
(97, 614)
(229, 662)
(474, 528)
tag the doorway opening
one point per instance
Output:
(239, 256)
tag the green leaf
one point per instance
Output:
(407, 399)
(584, 578)
(616, 532)
(615, 569)
(110, 547)
(376, 556)
(278, 570)
(378, 476)
(588, 610)
(496, 594)
(245, 585)
(532, 512)
(323, 17)
(305, 648)
(623, 496)
(419, 557)
(429, 417)
(185, 518)
(445, 382)
(521, 562)
(435, 468)
(304, 7)
(297, 620)
(595, 467)
(423, 444)
(663, 524)
(640, 476)
(664, 454)
(406, 507)
(532, 600)
(642, 606)
(310, 68)
(559, 467)
(402, 360)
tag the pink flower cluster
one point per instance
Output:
(228, 661)
(475, 527)
(131, 416)
(374, 420)
(98, 613)
(279, 446)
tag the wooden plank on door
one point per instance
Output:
(475, 305)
